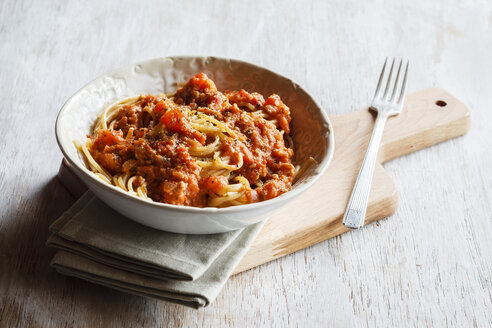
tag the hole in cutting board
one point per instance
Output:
(441, 103)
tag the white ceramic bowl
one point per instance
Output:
(311, 131)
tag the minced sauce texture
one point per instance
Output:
(171, 174)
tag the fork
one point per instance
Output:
(385, 104)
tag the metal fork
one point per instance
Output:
(385, 104)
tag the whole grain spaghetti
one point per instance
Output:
(198, 147)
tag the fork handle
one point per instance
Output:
(355, 213)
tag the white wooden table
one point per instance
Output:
(428, 265)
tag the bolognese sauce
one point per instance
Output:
(199, 147)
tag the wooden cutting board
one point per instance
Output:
(429, 116)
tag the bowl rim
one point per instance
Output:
(330, 148)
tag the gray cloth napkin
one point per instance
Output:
(100, 245)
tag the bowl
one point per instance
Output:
(312, 134)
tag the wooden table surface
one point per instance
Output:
(427, 265)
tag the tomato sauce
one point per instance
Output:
(163, 159)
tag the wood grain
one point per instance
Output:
(427, 266)
(317, 214)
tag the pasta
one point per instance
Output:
(197, 147)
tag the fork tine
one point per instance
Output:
(395, 87)
(380, 79)
(402, 92)
(389, 80)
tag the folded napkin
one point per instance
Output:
(100, 245)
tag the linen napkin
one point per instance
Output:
(100, 245)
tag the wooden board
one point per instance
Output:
(317, 214)
(429, 116)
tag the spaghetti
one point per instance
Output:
(199, 147)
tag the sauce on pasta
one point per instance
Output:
(199, 147)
